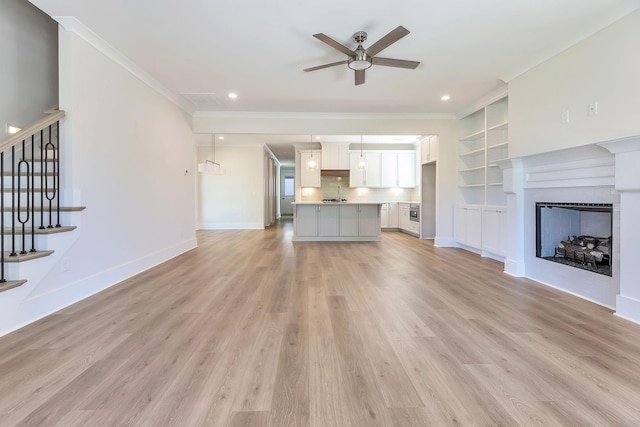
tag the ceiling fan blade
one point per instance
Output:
(320, 67)
(359, 77)
(334, 44)
(387, 40)
(399, 63)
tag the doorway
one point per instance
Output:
(287, 191)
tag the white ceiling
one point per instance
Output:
(258, 48)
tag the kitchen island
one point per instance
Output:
(335, 222)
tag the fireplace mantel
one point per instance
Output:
(607, 172)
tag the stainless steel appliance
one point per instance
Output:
(414, 212)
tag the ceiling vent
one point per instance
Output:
(203, 101)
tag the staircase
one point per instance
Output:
(30, 203)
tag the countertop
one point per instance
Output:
(338, 203)
(355, 202)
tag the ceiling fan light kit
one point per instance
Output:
(361, 59)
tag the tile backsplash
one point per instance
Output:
(338, 187)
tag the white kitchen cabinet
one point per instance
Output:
(384, 215)
(404, 220)
(494, 230)
(429, 149)
(310, 177)
(389, 215)
(348, 220)
(368, 220)
(370, 176)
(393, 215)
(407, 169)
(328, 220)
(398, 169)
(389, 169)
(468, 226)
(335, 155)
(306, 220)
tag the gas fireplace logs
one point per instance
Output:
(585, 249)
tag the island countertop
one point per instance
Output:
(339, 203)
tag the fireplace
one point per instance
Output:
(575, 234)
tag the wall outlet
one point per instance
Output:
(564, 117)
(593, 108)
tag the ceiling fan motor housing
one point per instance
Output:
(360, 37)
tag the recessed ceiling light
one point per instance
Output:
(445, 97)
(233, 95)
(317, 137)
(221, 137)
(12, 129)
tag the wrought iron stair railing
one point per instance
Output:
(30, 183)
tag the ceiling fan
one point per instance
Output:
(360, 59)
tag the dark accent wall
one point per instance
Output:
(29, 63)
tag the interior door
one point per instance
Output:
(287, 191)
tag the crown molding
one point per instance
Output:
(323, 116)
(73, 25)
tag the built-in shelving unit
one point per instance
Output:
(482, 144)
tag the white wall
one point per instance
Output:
(604, 68)
(29, 64)
(124, 153)
(234, 200)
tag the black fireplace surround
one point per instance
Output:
(575, 234)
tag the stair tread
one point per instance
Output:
(25, 257)
(53, 230)
(10, 284)
(46, 208)
(37, 174)
(25, 190)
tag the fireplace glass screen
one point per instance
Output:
(575, 234)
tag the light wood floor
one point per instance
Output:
(252, 330)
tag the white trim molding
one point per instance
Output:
(72, 24)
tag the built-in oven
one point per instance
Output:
(414, 212)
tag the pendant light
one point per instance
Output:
(311, 163)
(361, 162)
(210, 166)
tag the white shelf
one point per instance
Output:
(473, 136)
(502, 144)
(499, 126)
(471, 153)
(483, 145)
(477, 168)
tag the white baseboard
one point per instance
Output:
(44, 304)
(231, 226)
(628, 308)
(514, 267)
(443, 242)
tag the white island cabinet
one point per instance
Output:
(336, 221)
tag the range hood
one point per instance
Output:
(334, 172)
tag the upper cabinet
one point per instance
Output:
(370, 174)
(483, 142)
(310, 164)
(429, 149)
(335, 155)
(386, 169)
(406, 169)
